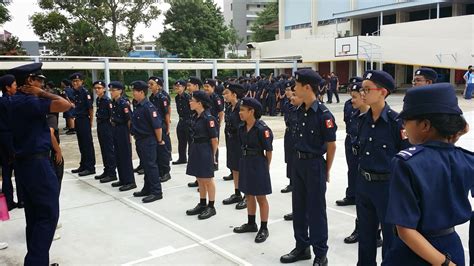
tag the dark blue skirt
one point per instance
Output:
(201, 161)
(234, 152)
(254, 176)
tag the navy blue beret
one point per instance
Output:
(76, 75)
(116, 85)
(202, 96)
(29, 70)
(195, 81)
(382, 78)
(98, 82)
(428, 73)
(355, 79)
(437, 98)
(6, 80)
(236, 88)
(307, 76)
(139, 85)
(180, 82)
(252, 103)
(210, 82)
(355, 86)
(158, 80)
(290, 83)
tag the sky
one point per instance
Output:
(21, 10)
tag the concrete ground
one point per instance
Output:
(101, 226)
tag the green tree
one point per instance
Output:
(234, 39)
(4, 14)
(12, 46)
(194, 28)
(267, 16)
(90, 28)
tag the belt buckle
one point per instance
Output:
(367, 176)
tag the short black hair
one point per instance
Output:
(446, 125)
(314, 86)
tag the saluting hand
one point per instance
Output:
(33, 90)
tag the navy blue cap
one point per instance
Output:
(76, 75)
(29, 70)
(195, 81)
(437, 98)
(252, 103)
(382, 78)
(116, 85)
(210, 82)
(355, 86)
(6, 80)
(202, 96)
(236, 88)
(98, 82)
(428, 73)
(139, 85)
(290, 83)
(180, 82)
(158, 80)
(307, 76)
(355, 79)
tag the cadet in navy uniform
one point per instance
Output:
(232, 95)
(272, 90)
(424, 76)
(193, 84)
(84, 116)
(380, 137)
(430, 181)
(256, 139)
(147, 131)
(121, 123)
(162, 104)
(287, 109)
(32, 166)
(202, 154)
(351, 133)
(217, 109)
(184, 112)
(9, 88)
(317, 136)
(69, 115)
(104, 133)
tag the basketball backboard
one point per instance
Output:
(346, 46)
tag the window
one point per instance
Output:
(258, 6)
(148, 48)
(230, 6)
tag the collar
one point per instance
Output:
(383, 114)
(437, 143)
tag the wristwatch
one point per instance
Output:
(447, 260)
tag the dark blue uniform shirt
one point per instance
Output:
(6, 137)
(161, 102)
(83, 102)
(204, 126)
(348, 112)
(182, 106)
(121, 112)
(217, 105)
(104, 109)
(145, 120)
(429, 187)
(259, 138)
(316, 127)
(379, 141)
(232, 120)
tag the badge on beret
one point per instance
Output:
(219, 102)
(88, 97)
(418, 72)
(211, 123)
(110, 105)
(154, 114)
(403, 134)
(125, 110)
(267, 134)
(297, 76)
(369, 75)
(354, 87)
(165, 103)
(329, 123)
(189, 80)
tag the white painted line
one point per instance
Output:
(191, 234)
(342, 212)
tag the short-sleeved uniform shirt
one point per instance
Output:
(145, 119)
(82, 101)
(121, 112)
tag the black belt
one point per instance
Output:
(201, 140)
(246, 152)
(305, 155)
(438, 233)
(374, 177)
(40, 155)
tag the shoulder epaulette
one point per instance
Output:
(323, 108)
(410, 152)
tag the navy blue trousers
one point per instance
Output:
(184, 139)
(86, 146)
(106, 142)
(41, 198)
(164, 154)
(123, 153)
(7, 184)
(271, 103)
(309, 205)
(371, 205)
(352, 169)
(146, 149)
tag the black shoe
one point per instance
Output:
(54, 264)
(165, 177)
(353, 238)
(141, 171)
(98, 177)
(65, 128)
(196, 210)
(128, 187)
(287, 189)
(71, 132)
(216, 167)
(86, 172)
(137, 169)
(152, 198)
(193, 184)
(117, 184)
(20, 205)
(229, 177)
(75, 171)
(320, 261)
(234, 198)
(345, 202)
(296, 255)
(242, 204)
(11, 205)
(207, 213)
(179, 162)
(262, 235)
(288, 217)
(141, 193)
(246, 228)
(108, 179)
